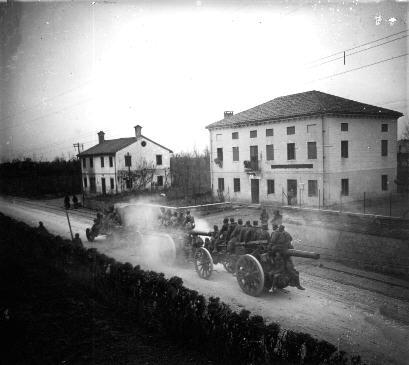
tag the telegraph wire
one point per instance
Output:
(359, 46)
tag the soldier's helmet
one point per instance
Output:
(175, 214)
(99, 215)
(40, 224)
(188, 212)
(77, 235)
(255, 223)
(240, 221)
(275, 227)
(248, 224)
(281, 228)
(231, 220)
(216, 227)
(265, 227)
(225, 220)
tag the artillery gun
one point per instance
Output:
(250, 262)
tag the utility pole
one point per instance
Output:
(78, 146)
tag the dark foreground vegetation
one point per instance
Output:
(40, 178)
(64, 304)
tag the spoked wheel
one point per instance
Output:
(250, 275)
(203, 263)
(90, 235)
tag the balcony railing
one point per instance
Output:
(251, 166)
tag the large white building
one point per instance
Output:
(311, 148)
(124, 164)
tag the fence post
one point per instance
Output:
(319, 199)
(364, 202)
(340, 202)
(282, 196)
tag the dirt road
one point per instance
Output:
(360, 312)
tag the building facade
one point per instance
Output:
(125, 164)
(311, 148)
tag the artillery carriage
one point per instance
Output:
(251, 263)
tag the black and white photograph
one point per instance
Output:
(204, 182)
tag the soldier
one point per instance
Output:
(75, 201)
(174, 219)
(42, 230)
(277, 268)
(274, 237)
(277, 218)
(67, 202)
(181, 219)
(244, 232)
(161, 216)
(264, 217)
(255, 232)
(188, 218)
(235, 236)
(214, 237)
(264, 235)
(168, 215)
(232, 226)
(77, 241)
(285, 240)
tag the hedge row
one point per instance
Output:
(166, 306)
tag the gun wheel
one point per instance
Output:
(203, 263)
(250, 275)
(90, 235)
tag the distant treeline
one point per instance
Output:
(35, 178)
(190, 176)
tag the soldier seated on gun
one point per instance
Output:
(174, 219)
(277, 268)
(235, 236)
(285, 239)
(213, 238)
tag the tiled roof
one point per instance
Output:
(303, 104)
(111, 146)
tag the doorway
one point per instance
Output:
(291, 192)
(255, 191)
(104, 188)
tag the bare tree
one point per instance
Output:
(405, 132)
(137, 179)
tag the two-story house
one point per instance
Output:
(133, 163)
(312, 147)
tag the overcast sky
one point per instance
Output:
(69, 70)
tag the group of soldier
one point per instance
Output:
(178, 219)
(273, 245)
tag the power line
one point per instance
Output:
(358, 68)
(362, 50)
(359, 46)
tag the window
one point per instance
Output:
(220, 154)
(253, 134)
(344, 187)
(344, 149)
(312, 150)
(384, 147)
(344, 127)
(236, 184)
(270, 186)
(290, 151)
(85, 182)
(291, 130)
(159, 159)
(91, 162)
(384, 128)
(311, 128)
(384, 182)
(235, 135)
(111, 161)
(112, 183)
(218, 137)
(128, 160)
(270, 152)
(312, 188)
(159, 180)
(92, 185)
(220, 183)
(269, 132)
(102, 161)
(84, 163)
(235, 154)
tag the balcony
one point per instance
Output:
(251, 167)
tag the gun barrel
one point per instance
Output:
(305, 254)
(200, 233)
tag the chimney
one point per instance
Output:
(138, 129)
(101, 138)
(228, 113)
